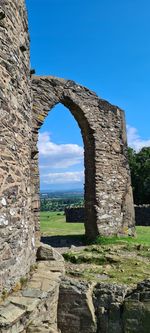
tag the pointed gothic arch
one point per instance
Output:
(108, 194)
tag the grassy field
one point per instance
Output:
(54, 224)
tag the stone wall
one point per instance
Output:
(108, 195)
(103, 308)
(142, 215)
(17, 249)
(75, 214)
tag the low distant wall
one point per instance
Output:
(75, 214)
(142, 215)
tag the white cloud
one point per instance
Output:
(54, 155)
(63, 178)
(63, 156)
(134, 139)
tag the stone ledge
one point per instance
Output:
(35, 303)
(10, 314)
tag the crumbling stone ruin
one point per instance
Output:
(25, 102)
(51, 303)
(108, 195)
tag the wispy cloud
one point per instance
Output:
(63, 178)
(58, 156)
(134, 139)
(65, 156)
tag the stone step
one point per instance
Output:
(10, 314)
(36, 303)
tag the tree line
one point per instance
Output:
(59, 204)
(139, 163)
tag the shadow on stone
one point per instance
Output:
(64, 241)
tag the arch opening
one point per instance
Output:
(61, 169)
(80, 167)
(108, 194)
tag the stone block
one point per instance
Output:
(34, 293)
(25, 303)
(46, 252)
(75, 308)
(10, 314)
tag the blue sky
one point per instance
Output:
(101, 44)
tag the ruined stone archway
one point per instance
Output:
(25, 102)
(108, 194)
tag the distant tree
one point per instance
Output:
(140, 174)
(59, 204)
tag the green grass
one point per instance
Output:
(119, 259)
(142, 237)
(119, 263)
(53, 224)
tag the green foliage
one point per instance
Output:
(4, 294)
(23, 281)
(84, 257)
(140, 174)
(59, 202)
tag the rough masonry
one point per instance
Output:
(103, 308)
(50, 303)
(142, 214)
(25, 102)
(108, 195)
(17, 231)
